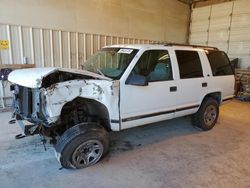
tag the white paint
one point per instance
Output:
(127, 101)
(155, 98)
(32, 77)
(98, 90)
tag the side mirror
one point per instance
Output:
(137, 80)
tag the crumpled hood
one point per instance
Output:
(32, 77)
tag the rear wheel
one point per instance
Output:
(82, 145)
(207, 115)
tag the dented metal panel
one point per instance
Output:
(45, 95)
(33, 76)
(100, 90)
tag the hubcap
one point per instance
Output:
(210, 115)
(87, 153)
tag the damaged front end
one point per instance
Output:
(49, 101)
(28, 109)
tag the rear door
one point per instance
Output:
(222, 75)
(192, 84)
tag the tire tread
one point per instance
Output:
(83, 130)
(197, 118)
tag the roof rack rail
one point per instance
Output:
(188, 45)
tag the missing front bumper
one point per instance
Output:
(27, 128)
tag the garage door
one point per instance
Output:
(226, 26)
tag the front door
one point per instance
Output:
(154, 102)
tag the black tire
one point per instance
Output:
(207, 115)
(79, 142)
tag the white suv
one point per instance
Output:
(121, 86)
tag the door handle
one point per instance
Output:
(204, 84)
(173, 89)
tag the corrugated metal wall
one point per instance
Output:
(52, 48)
(226, 26)
(49, 48)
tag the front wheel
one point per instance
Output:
(207, 115)
(82, 145)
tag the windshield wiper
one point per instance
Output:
(94, 69)
(100, 72)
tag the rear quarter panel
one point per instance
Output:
(223, 84)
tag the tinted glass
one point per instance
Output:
(189, 64)
(155, 65)
(219, 63)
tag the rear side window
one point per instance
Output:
(219, 63)
(189, 64)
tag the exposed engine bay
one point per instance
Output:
(61, 76)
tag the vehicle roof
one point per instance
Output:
(161, 45)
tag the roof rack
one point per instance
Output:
(188, 45)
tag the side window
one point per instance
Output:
(155, 65)
(189, 64)
(219, 63)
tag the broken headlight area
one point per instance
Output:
(28, 106)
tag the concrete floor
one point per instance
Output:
(167, 154)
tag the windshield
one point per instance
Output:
(110, 62)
